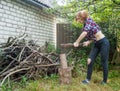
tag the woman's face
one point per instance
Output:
(79, 19)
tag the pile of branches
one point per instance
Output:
(24, 58)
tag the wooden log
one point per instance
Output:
(63, 60)
(64, 70)
(65, 75)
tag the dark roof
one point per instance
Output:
(42, 3)
(47, 2)
(37, 3)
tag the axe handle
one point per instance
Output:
(69, 45)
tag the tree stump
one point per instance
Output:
(64, 70)
(65, 75)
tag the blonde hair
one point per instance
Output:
(83, 14)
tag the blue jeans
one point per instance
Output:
(102, 47)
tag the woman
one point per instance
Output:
(93, 33)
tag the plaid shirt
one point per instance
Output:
(91, 28)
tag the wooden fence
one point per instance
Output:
(64, 33)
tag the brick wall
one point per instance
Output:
(17, 18)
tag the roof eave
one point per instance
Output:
(36, 3)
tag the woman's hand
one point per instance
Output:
(86, 43)
(76, 44)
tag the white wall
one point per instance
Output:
(17, 18)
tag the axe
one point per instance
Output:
(66, 45)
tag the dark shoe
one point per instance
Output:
(103, 83)
(86, 81)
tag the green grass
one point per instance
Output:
(52, 84)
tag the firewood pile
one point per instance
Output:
(24, 58)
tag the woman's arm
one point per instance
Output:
(82, 35)
(86, 43)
